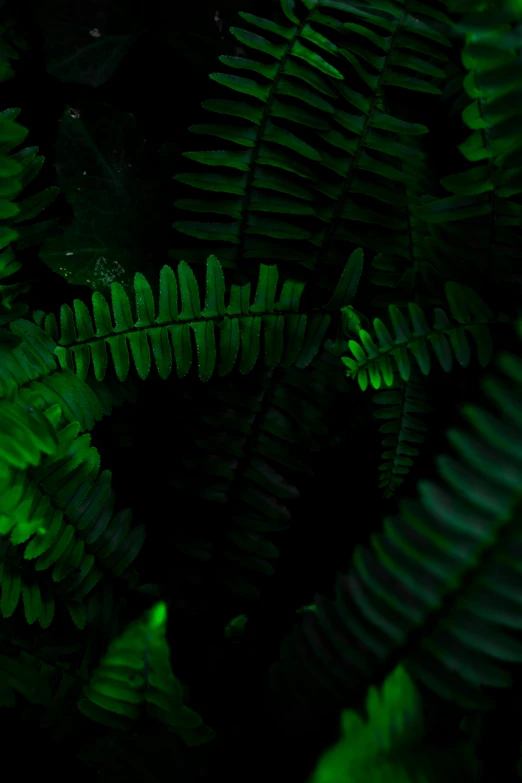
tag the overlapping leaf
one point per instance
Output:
(374, 362)
(341, 142)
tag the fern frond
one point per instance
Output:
(373, 363)
(25, 434)
(339, 163)
(10, 309)
(251, 435)
(392, 744)
(398, 404)
(438, 587)
(482, 215)
(135, 681)
(250, 438)
(289, 337)
(19, 169)
(61, 508)
(29, 358)
(409, 276)
(31, 376)
(270, 145)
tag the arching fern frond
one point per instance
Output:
(61, 508)
(373, 362)
(25, 434)
(275, 158)
(440, 586)
(29, 359)
(288, 336)
(134, 681)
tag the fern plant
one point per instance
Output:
(333, 187)
(391, 745)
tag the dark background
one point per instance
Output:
(162, 80)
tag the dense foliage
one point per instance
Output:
(261, 389)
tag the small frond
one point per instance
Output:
(372, 362)
(134, 680)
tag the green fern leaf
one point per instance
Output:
(59, 535)
(81, 342)
(25, 434)
(16, 172)
(266, 139)
(134, 679)
(372, 362)
(485, 190)
(392, 743)
(423, 572)
(11, 590)
(398, 404)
